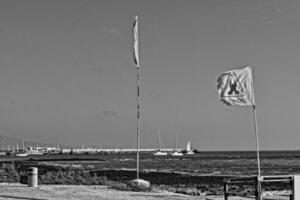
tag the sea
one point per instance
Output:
(205, 163)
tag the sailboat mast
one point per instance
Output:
(158, 139)
(23, 143)
(175, 143)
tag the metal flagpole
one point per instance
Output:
(257, 143)
(258, 180)
(255, 127)
(138, 124)
(136, 60)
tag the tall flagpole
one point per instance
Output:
(255, 128)
(136, 60)
(235, 87)
(257, 142)
(138, 124)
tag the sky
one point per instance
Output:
(67, 74)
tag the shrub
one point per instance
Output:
(72, 177)
(10, 175)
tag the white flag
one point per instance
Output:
(235, 87)
(136, 42)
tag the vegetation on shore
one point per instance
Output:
(61, 177)
(9, 175)
(116, 179)
(81, 177)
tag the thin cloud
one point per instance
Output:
(109, 114)
(275, 15)
(114, 31)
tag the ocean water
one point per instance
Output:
(209, 163)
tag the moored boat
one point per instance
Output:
(35, 151)
(176, 153)
(159, 152)
(189, 150)
(21, 154)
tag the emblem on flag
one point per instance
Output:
(235, 87)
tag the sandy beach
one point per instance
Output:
(72, 192)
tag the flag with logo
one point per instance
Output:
(235, 87)
(136, 42)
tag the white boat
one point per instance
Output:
(23, 154)
(189, 149)
(35, 151)
(159, 152)
(28, 153)
(176, 152)
(190, 153)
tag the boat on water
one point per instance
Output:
(159, 152)
(176, 152)
(189, 150)
(21, 154)
(30, 151)
(35, 151)
(190, 153)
